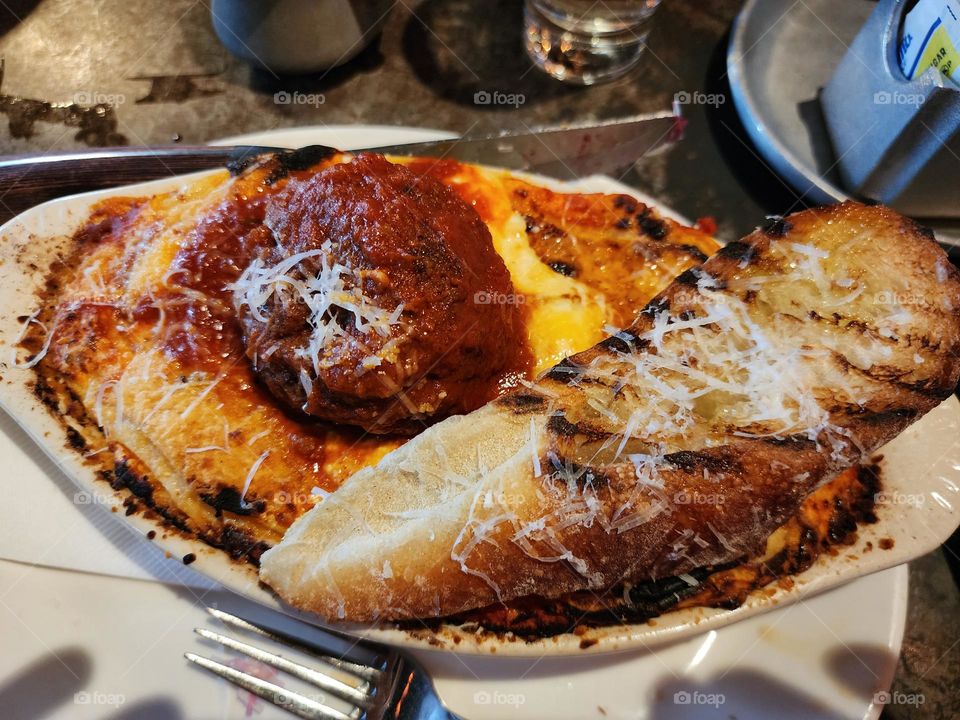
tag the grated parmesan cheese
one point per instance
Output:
(250, 475)
(332, 287)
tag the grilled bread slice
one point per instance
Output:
(680, 442)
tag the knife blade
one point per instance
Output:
(562, 152)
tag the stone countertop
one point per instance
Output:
(81, 73)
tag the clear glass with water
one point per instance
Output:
(587, 41)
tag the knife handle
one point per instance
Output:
(28, 180)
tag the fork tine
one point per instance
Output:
(299, 705)
(363, 672)
(355, 695)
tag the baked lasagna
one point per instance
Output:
(326, 357)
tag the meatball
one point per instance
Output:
(371, 306)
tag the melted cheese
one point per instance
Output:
(166, 222)
(566, 316)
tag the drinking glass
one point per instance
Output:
(297, 36)
(587, 41)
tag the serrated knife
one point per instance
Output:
(562, 152)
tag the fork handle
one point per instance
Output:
(28, 180)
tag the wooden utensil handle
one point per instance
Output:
(29, 180)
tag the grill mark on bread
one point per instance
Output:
(690, 278)
(738, 250)
(717, 461)
(524, 403)
(656, 306)
(892, 376)
(927, 388)
(791, 442)
(564, 371)
(882, 373)
(895, 416)
(694, 252)
(777, 227)
(845, 321)
(561, 468)
(559, 426)
(624, 341)
(693, 276)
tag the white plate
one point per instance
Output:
(822, 659)
(920, 527)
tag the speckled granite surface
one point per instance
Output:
(140, 72)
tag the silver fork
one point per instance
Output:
(390, 686)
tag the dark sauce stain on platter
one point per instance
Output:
(96, 124)
(176, 88)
